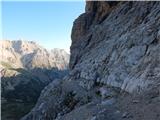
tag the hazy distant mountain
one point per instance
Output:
(28, 54)
(26, 68)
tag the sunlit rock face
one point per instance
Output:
(122, 49)
(115, 54)
(26, 68)
(29, 54)
(24, 62)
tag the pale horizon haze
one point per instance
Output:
(47, 23)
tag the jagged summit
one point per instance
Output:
(29, 54)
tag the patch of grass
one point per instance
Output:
(5, 64)
(20, 70)
(15, 110)
(98, 93)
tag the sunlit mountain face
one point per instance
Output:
(26, 68)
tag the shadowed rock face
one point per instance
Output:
(115, 66)
(95, 13)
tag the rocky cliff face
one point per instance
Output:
(115, 72)
(122, 46)
(26, 68)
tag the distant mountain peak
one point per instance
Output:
(29, 54)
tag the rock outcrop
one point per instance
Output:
(115, 72)
(122, 46)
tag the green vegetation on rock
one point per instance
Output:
(5, 64)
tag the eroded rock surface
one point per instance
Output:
(121, 50)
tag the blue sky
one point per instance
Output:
(47, 23)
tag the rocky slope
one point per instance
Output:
(26, 68)
(115, 72)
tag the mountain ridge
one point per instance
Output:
(23, 51)
(26, 68)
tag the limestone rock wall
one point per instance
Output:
(122, 49)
